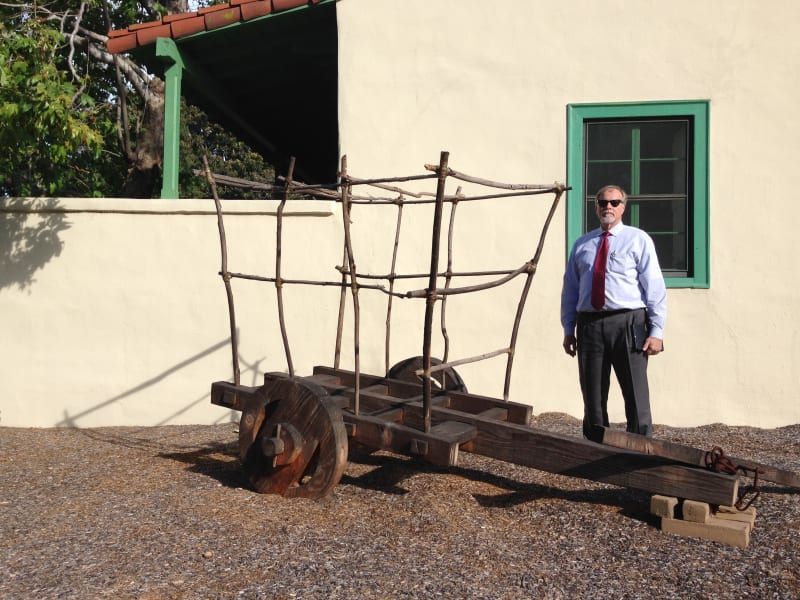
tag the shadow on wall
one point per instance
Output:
(71, 420)
(29, 238)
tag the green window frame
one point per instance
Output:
(696, 112)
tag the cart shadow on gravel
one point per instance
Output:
(390, 471)
(219, 461)
(385, 473)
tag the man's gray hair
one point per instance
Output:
(606, 188)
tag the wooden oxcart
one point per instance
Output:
(295, 431)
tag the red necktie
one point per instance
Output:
(599, 274)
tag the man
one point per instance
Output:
(614, 295)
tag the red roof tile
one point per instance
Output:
(221, 18)
(251, 10)
(178, 17)
(210, 9)
(148, 24)
(184, 24)
(184, 27)
(151, 34)
(287, 4)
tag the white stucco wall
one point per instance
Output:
(112, 311)
(490, 83)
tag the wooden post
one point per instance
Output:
(430, 294)
(226, 276)
(278, 281)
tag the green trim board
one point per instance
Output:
(173, 75)
(698, 111)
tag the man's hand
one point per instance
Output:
(570, 345)
(652, 345)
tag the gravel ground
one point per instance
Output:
(165, 512)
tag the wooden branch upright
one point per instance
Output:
(223, 246)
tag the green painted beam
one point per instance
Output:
(167, 50)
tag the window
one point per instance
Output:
(657, 152)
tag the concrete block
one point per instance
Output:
(663, 506)
(729, 513)
(732, 533)
(696, 512)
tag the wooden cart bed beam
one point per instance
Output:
(512, 442)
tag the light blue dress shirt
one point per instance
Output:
(633, 277)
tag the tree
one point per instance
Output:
(76, 120)
(51, 129)
(226, 155)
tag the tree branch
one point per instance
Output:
(71, 56)
(123, 122)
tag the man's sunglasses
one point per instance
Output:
(604, 203)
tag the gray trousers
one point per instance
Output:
(614, 339)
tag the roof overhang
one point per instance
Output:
(271, 78)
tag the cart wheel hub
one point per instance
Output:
(285, 445)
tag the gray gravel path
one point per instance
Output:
(164, 512)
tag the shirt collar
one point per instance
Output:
(616, 230)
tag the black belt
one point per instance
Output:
(600, 314)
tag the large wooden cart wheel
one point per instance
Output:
(292, 441)
(445, 380)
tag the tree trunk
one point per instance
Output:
(143, 176)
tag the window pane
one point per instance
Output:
(614, 172)
(608, 141)
(663, 177)
(589, 216)
(666, 220)
(663, 139)
(671, 251)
